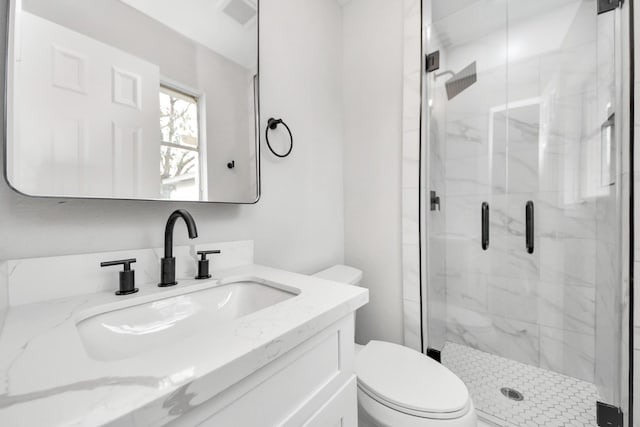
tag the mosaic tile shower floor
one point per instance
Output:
(550, 399)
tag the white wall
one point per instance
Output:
(298, 223)
(303, 222)
(373, 69)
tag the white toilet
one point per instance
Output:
(400, 387)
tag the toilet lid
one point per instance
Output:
(408, 380)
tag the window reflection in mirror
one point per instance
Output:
(180, 172)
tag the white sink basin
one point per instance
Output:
(129, 331)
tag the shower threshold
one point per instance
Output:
(512, 394)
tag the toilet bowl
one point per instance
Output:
(401, 387)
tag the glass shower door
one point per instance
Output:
(521, 123)
(459, 158)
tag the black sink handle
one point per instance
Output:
(127, 275)
(203, 254)
(203, 264)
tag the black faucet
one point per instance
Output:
(168, 263)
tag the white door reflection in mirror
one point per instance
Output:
(87, 116)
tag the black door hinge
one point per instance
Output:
(608, 5)
(434, 200)
(608, 415)
(433, 61)
(434, 354)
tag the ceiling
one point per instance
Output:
(443, 8)
(205, 22)
(456, 22)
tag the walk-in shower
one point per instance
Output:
(523, 261)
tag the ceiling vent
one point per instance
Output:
(241, 11)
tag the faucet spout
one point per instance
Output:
(168, 230)
(168, 262)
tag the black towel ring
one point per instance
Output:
(271, 125)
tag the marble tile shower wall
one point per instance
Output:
(436, 238)
(608, 264)
(534, 308)
(4, 293)
(73, 275)
(636, 179)
(411, 174)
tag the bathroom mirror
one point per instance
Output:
(134, 99)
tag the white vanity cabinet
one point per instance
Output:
(311, 385)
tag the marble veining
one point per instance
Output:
(71, 275)
(156, 386)
(7, 400)
(528, 129)
(4, 292)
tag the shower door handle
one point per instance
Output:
(530, 226)
(485, 225)
(608, 154)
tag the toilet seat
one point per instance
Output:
(409, 382)
(372, 413)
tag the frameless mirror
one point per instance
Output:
(134, 99)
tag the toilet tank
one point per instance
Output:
(342, 274)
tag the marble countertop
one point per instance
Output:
(47, 378)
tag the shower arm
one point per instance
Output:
(444, 73)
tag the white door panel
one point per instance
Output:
(88, 120)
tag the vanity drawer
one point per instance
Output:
(288, 391)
